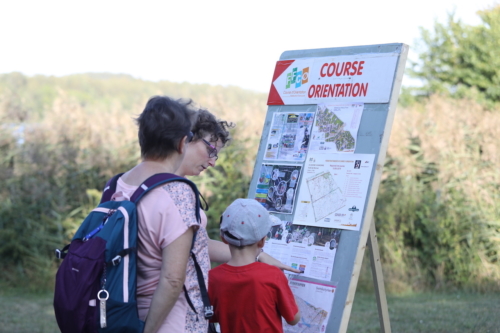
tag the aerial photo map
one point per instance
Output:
(333, 128)
(336, 128)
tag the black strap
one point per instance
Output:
(203, 289)
(204, 206)
(110, 188)
(189, 300)
(208, 308)
(61, 253)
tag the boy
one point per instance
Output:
(249, 296)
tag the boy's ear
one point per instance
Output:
(223, 239)
(262, 242)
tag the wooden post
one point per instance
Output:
(378, 280)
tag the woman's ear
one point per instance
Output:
(181, 149)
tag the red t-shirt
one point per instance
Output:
(250, 298)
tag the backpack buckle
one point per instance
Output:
(59, 254)
(116, 260)
(209, 312)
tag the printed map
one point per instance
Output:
(326, 195)
(311, 320)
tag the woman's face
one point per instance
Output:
(198, 156)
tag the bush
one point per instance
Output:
(438, 205)
(62, 138)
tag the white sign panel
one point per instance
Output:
(315, 302)
(333, 190)
(365, 78)
(309, 249)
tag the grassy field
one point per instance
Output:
(429, 313)
(457, 312)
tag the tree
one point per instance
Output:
(462, 60)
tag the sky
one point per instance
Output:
(217, 42)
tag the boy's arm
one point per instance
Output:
(267, 259)
(297, 316)
(219, 252)
(287, 302)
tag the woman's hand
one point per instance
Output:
(267, 259)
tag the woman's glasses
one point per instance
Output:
(190, 136)
(212, 151)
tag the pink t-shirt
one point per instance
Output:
(164, 214)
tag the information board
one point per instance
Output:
(319, 166)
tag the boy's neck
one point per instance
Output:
(244, 256)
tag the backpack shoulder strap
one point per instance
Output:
(161, 179)
(110, 188)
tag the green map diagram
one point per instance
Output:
(333, 128)
(311, 320)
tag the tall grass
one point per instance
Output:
(62, 138)
(438, 206)
(45, 175)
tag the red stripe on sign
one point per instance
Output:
(281, 66)
(274, 97)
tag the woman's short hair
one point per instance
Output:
(206, 124)
(162, 125)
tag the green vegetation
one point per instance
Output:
(23, 312)
(429, 313)
(62, 138)
(462, 60)
(437, 209)
(438, 206)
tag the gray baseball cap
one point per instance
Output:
(245, 222)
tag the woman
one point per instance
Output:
(167, 220)
(167, 214)
(210, 135)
